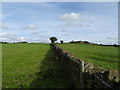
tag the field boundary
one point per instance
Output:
(84, 74)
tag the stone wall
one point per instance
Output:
(83, 74)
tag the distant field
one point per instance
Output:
(100, 56)
(20, 62)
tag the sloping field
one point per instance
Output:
(20, 62)
(32, 66)
(100, 56)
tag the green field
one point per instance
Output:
(100, 56)
(20, 62)
(31, 66)
(34, 65)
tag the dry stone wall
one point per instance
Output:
(83, 74)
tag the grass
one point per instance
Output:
(100, 56)
(20, 62)
(31, 66)
(34, 65)
(52, 74)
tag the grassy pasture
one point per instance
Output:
(31, 66)
(34, 65)
(20, 62)
(100, 56)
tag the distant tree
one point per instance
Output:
(61, 41)
(53, 39)
(24, 42)
(114, 45)
(5, 42)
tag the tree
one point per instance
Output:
(53, 39)
(114, 45)
(61, 41)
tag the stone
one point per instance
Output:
(88, 66)
(112, 74)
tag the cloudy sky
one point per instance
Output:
(37, 21)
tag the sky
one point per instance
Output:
(95, 22)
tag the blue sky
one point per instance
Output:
(37, 21)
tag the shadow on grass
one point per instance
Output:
(51, 74)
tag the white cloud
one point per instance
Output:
(1, 16)
(3, 26)
(65, 34)
(36, 33)
(31, 27)
(71, 24)
(108, 38)
(11, 37)
(43, 36)
(7, 25)
(22, 38)
(62, 30)
(42, 39)
(112, 38)
(72, 17)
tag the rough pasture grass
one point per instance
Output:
(31, 66)
(100, 56)
(20, 62)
